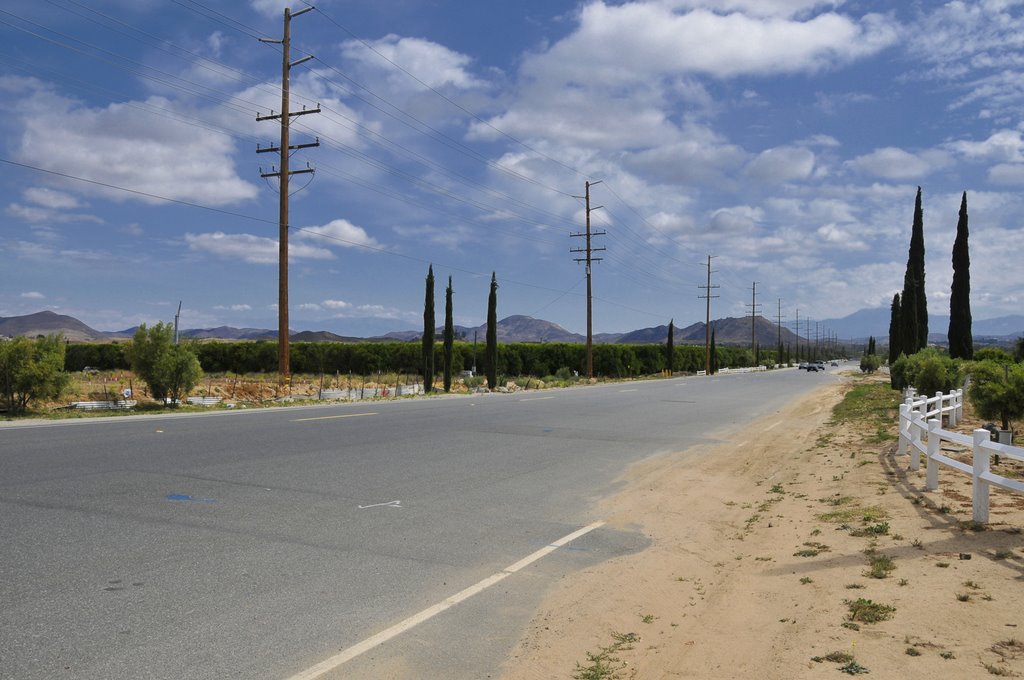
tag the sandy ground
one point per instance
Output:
(745, 578)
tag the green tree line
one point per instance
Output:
(366, 358)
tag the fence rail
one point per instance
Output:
(921, 433)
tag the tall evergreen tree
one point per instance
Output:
(895, 331)
(428, 333)
(670, 351)
(449, 337)
(491, 350)
(913, 303)
(961, 340)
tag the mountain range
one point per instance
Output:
(517, 328)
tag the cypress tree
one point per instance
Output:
(670, 352)
(491, 350)
(895, 331)
(428, 333)
(961, 342)
(449, 337)
(913, 303)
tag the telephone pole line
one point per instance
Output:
(707, 319)
(283, 172)
(589, 250)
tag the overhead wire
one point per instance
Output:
(230, 100)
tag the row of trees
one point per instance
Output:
(40, 369)
(448, 336)
(908, 321)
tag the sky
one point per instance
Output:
(785, 139)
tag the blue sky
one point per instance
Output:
(786, 138)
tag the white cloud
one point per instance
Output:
(653, 40)
(252, 249)
(737, 219)
(339, 232)
(126, 145)
(973, 46)
(336, 304)
(701, 156)
(271, 8)
(33, 295)
(50, 198)
(1000, 146)
(781, 164)
(431, 63)
(309, 307)
(835, 235)
(893, 163)
(1007, 174)
(760, 8)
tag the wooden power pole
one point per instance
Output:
(707, 319)
(588, 258)
(283, 172)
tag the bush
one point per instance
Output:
(869, 363)
(993, 354)
(31, 370)
(170, 370)
(927, 371)
(997, 390)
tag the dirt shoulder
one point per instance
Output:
(760, 545)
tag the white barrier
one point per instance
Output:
(103, 405)
(747, 369)
(923, 417)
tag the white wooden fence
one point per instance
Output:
(921, 432)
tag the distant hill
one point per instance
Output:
(519, 328)
(738, 331)
(867, 322)
(515, 328)
(229, 333)
(45, 323)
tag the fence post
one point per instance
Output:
(980, 487)
(915, 440)
(958, 411)
(932, 470)
(939, 398)
(904, 423)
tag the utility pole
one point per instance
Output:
(778, 326)
(283, 172)
(753, 320)
(798, 335)
(707, 319)
(589, 250)
(176, 317)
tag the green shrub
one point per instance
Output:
(31, 370)
(170, 370)
(928, 372)
(997, 390)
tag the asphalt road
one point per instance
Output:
(257, 544)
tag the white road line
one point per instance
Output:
(347, 415)
(369, 643)
(773, 426)
(620, 391)
(536, 399)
